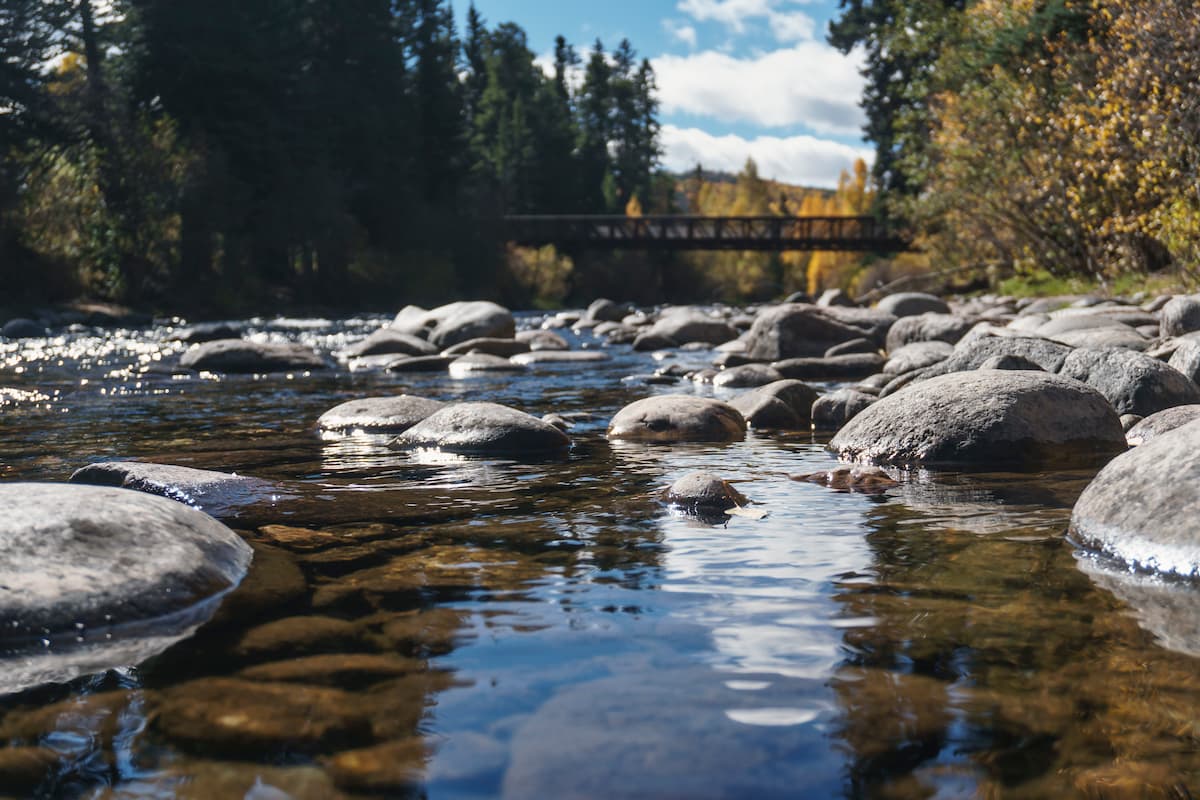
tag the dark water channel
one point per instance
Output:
(454, 627)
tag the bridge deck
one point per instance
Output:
(703, 233)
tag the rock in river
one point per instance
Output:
(704, 491)
(677, 418)
(220, 494)
(795, 330)
(241, 355)
(483, 428)
(379, 414)
(472, 319)
(388, 340)
(831, 411)
(560, 357)
(910, 304)
(1142, 507)
(1161, 422)
(1133, 382)
(86, 557)
(983, 418)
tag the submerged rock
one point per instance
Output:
(1158, 423)
(379, 414)
(704, 491)
(89, 558)
(1142, 507)
(240, 355)
(862, 478)
(983, 418)
(483, 428)
(677, 418)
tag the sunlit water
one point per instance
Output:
(568, 635)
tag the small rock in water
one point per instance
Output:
(704, 491)
(240, 355)
(542, 340)
(831, 411)
(207, 332)
(471, 319)
(865, 479)
(437, 363)
(483, 428)
(561, 357)
(388, 340)
(465, 366)
(677, 418)
(21, 328)
(492, 347)
(379, 414)
(747, 375)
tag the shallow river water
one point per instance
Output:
(419, 624)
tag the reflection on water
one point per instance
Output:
(451, 626)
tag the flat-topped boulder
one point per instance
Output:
(477, 363)
(483, 428)
(1133, 382)
(1142, 507)
(86, 558)
(677, 418)
(560, 357)
(984, 418)
(388, 340)
(394, 414)
(542, 340)
(217, 493)
(244, 356)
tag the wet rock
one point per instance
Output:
(21, 328)
(691, 325)
(395, 768)
(24, 769)
(1141, 508)
(831, 411)
(483, 428)
(204, 779)
(207, 332)
(677, 418)
(343, 670)
(557, 421)
(1134, 383)
(910, 304)
(220, 494)
(852, 346)
(795, 395)
(917, 355)
(747, 375)
(1180, 315)
(704, 491)
(296, 637)
(476, 363)
(835, 297)
(765, 412)
(1161, 422)
(389, 341)
(653, 341)
(984, 418)
(561, 357)
(865, 479)
(378, 414)
(542, 340)
(1009, 362)
(603, 310)
(1169, 609)
(796, 331)
(470, 319)
(504, 348)
(851, 366)
(243, 356)
(927, 328)
(249, 719)
(438, 363)
(274, 585)
(99, 557)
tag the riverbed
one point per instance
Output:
(470, 627)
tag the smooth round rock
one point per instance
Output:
(1142, 507)
(746, 376)
(604, 310)
(1133, 382)
(850, 366)
(438, 363)
(242, 356)
(389, 340)
(831, 411)
(99, 557)
(21, 328)
(927, 328)
(983, 418)
(649, 341)
(492, 347)
(796, 330)
(481, 362)
(910, 304)
(704, 490)
(379, 414)
(483, 428)
(1161, 422)
(765, 412)
(1180, 315)
(692, 325)
(917, 355)
(677, 418)
(542, 340)
(470, 319)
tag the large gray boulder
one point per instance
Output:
(470, 319)
(1133, 382)
(77, 560)
(910, 304)
(1142, 507)
(795, 330)
(947, 328)
(983, 418)
(1180, 315)
(243, 356)
(483, 428)
(379, 414)
(677, 418)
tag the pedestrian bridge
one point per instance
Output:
(668, 232)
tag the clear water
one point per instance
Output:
(549, 629)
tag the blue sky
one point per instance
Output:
(737, 78)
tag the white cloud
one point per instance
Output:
(810, 84)
(803, 160)
(684, 33)
(787, 26)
